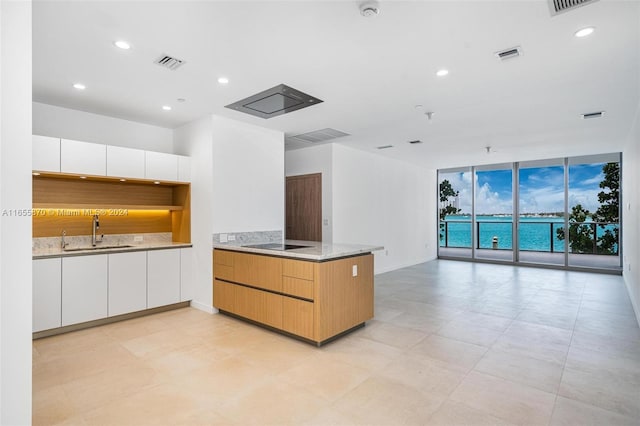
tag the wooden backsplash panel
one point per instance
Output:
(74, 190)
(53, 221)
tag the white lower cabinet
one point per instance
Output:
(186, 280)
(127, 282)
(47, 293)
(71, 290)
(163, 277)
(84, 288)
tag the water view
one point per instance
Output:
(584, 190)
(535, 233)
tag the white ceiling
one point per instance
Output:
(370, 72)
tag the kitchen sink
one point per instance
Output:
(97, 248)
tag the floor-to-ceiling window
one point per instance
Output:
(594, 211)
(541, 206)
(494, 212)
(566, 210)
(454, 212)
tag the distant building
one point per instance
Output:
(453, 201)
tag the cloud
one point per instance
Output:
(591, 181)
(540, 192)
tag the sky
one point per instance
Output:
(541, 189)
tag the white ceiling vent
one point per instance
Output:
(169, 62)
(512, 52)
(316, 136)
(560, 6)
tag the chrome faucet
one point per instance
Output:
(62, 243)
(96, 227)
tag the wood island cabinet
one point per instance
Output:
(315, 300)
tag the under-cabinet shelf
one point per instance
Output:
(105, 206)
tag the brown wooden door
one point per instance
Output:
(304, 207)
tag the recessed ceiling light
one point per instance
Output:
(442, 72)
(156, 183)
(79, 86)
(36, 174)
(122, 44)
(83, 177)
(166, 108)
(123, 180)
(223, 80)
(584, 32)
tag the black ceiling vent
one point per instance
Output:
(512, 52)
(384, 147)
(596, 114)
(169, 62)
(415, 142)
(560, 6)
(273, 102)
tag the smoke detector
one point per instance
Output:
(370, 9)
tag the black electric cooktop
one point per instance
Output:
(276, 246)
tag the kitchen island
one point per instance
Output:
(311, 290)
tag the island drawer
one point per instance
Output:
(297, 317)
(298, 269)
(221, 257)
(297, 287)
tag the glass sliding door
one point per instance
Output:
(594, 212)
(562, 212)
(454, 213)
(494, 212)
(541, 212)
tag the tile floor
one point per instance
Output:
(452, 343)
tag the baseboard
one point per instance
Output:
(634, 305)
(402, 265)
(202, 307)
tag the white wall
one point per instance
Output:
(317, 159)
(195, 140)
(50, 120)
(248, 177)
(237, 185)
(630, 214)
(15, 193)
(380, 201)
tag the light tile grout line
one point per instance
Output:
(564, 364)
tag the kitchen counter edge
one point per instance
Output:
(328, 251)
(90, 252)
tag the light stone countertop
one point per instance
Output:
(314, 250)
(49, 247)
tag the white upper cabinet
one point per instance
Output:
(184, 168)
(125, 162)
(46, 154)
(83, 158)
(161, 166)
